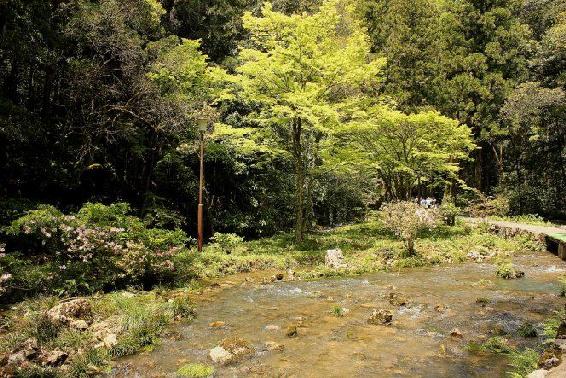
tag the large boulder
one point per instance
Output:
(334, 259)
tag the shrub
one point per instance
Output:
(527, 330)
(406, 219)
(98, 248)
(449, 211)
(489, 206)
(506, 270)
(164, 218)
(226, 242)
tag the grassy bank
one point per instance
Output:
(367, 247)
(102, 328)
(124, 322)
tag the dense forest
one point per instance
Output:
(99, 100)
(364, 125)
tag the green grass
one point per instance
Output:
(531, 219)
(552, 324)
(367, 247)
(495, 344)
(195, 371)
(143, 318)
(521, 362)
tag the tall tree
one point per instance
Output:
(487, 49)
(407, 33)
(299, 69)
(92, 89)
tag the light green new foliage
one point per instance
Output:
(403, 150)
(301, 69)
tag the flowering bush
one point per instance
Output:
(406, 219)
(100, 247)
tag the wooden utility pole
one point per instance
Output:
(200, 225)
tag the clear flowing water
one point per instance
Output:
(417, 343)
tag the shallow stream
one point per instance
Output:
(418, 343)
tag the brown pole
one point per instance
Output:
(200, 204)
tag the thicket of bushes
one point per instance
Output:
(98, 248)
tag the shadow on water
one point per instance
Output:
(418, 343)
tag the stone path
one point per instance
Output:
(553, 231)
(554, 236)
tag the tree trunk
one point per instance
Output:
(300, 176)
(148, 169)
(410, 247)
(478, 169)
(498, 153)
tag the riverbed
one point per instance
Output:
(446, 308)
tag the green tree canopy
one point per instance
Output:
(298, 70)
(402, 150)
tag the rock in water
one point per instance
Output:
(397, 299)
(292, 331)
(238, 348)
(334, 259)
(273, 346)
(219, 355)
(380, 317)
(291, 274)
(456, 333)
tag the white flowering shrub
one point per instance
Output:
(406, 219)
(100, 247)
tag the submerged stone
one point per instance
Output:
(396, 299)
(456, 333)
(273, 346)
(219, 355)
(292, 331)
(380, 317)
(238, 347)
